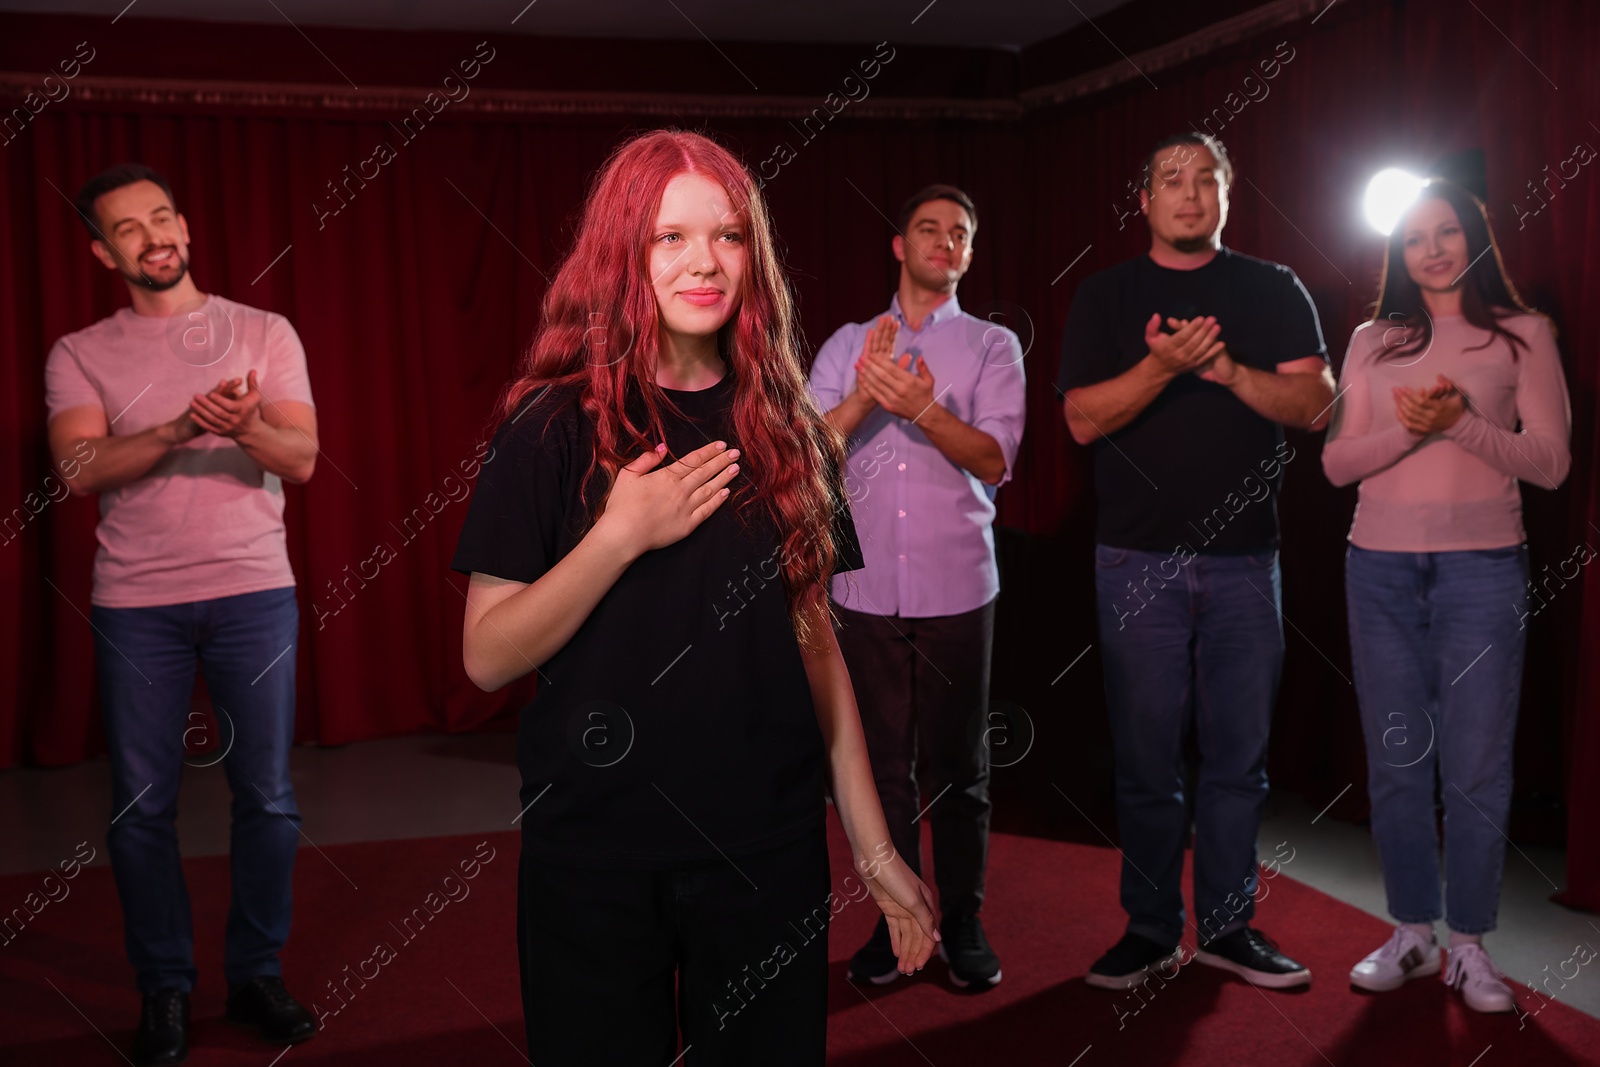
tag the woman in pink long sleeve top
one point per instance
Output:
(1449, 397)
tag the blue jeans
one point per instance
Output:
(146, 659)
(1437, 642)
(1196, 636)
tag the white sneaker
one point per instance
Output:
(1405, 955)
(1480, 981)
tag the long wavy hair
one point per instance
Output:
(600, 331)
(1487, 296)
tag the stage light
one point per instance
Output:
(1389, 194)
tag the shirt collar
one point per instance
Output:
(943, 313)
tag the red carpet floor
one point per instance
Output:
(448, 994)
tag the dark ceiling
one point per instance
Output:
(1011, 24)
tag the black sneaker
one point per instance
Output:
(973, 964)
(163, 1034)
(263, 1003)
(1132, 960)
(1254, 957)
(876, 962)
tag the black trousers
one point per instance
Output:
(742, 940)
(923, 689)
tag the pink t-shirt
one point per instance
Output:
(204, 522)
(1456, 490)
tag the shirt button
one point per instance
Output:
(902, 557)
(902, 513)
(902, 466)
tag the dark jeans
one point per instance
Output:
(744, 939)
(1200, 639)
(923, 689)
(1437, 641)
(146, 660)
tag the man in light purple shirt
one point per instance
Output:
(933, 402)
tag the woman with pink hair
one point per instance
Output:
(653, 533)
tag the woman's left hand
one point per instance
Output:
(1431, 410)
(908, 905)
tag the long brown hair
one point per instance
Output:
(599, 331)
(1487, 297)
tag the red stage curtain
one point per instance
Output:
(415, 300)
(412, 303)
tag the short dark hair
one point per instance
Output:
(114, 178)
(1193, 137)
(936, 192)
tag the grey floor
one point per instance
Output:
(436, 786)
(1535, 935)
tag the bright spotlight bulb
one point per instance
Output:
(1389, 194)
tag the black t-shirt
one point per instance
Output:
(677, 723)
(1197, 467)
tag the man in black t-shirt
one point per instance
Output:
(1181, 368)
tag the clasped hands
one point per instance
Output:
(1429, 409)
(223, 411)
(888, 382)
(1192, 346)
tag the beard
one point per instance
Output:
(1190, 245)
(156, 285)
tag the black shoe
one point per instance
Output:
(163, 1035)
(1255, 958)
(973, 964)
(264, 1004)
(1132, 960)
(876, 962)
